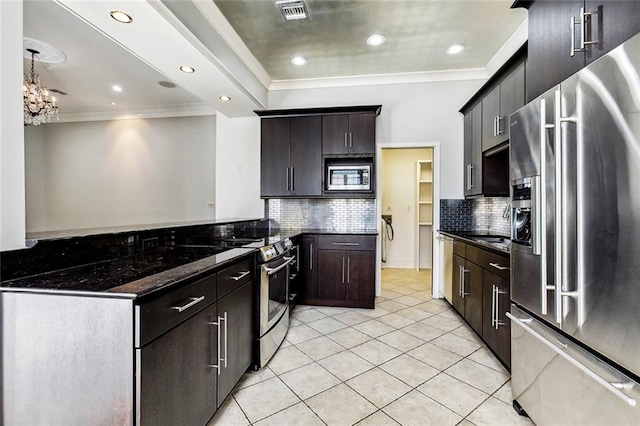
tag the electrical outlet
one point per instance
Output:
(305, 213)
(210, 204)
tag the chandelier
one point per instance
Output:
(38, 107)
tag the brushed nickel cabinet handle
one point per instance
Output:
(192, 301)
(241, 275)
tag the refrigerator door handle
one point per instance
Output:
(612, 387)
(540, 232)
(561, 216)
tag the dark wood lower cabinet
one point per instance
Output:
(308, 266)
(481, 296)
(237, 339)
(467, 291)
(496, 327)
(473, 296)
(458, 267)
(340, 270)
(185, 371)
(331, 265)
(176, 382)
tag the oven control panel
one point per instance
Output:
(276, 249)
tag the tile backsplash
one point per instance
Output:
(485, 213)
(338, 214)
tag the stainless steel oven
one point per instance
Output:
(274, 263)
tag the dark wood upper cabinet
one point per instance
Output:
(291, 160)
(506, 98)
(550, 60)
(306, 156)
(473, 151)
(349, 134)
(617, 22)
(275, 142)
(294, 143)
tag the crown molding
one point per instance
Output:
(165, 111)
(380, 79)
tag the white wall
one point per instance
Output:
(411, 113)
(238, 168)
(12, 198)
(399, 183)
(120, 173)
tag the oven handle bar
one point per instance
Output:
(271, 271)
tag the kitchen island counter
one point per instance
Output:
(182, 253)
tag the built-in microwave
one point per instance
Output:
(348, 177)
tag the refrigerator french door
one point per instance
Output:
(575, 283)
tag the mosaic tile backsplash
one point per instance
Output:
(342, 215)
(476, 214)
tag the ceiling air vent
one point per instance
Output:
(293, 10)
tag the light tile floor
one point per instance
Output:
(411, 361)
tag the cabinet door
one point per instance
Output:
(503, 304)
(176, 383)
(362, 128)
(334, 134)
(472, 292)
(308, 266)
(490, 113)
(457, 277)
(361, 272)
(511, 99)
(495, 306)
(476, 151)
(306, 155)
(616, 23)
(237, 337)
(489, 332)
(331, 269)
(549, 59)
(274, 164)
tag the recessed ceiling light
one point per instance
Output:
(376, 39)
(299, 60)
(121, 17)
(112, 103)
(187, 69)
(225, 98)
(454, 49)
(116, 88)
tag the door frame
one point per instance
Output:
(436, 284)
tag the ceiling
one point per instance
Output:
(242, 48)
(333, 39)
(94, 64)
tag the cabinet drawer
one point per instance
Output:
(346, 242)
(459, 248)
(161, 314)
(497, 264)
(488, 260)
(234, 276)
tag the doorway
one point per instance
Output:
(408, 201)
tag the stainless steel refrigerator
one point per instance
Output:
(575, 258)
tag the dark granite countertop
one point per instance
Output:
(141, 274)
(483, 238)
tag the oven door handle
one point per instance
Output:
(271, 271)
